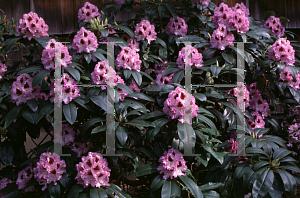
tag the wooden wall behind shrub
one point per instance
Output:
(61, 15)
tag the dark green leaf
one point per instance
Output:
(97, 193)
(125, 88)
(11, 116)
(74, 72)
(192, 186)
(157, 182)
(75, 190)
(178, 76)
(263, 184)
(228, 57)
(122, 134)
(54, 190)
(30, 70)
(210, 186)
(158, 125)
(268, 14)
(137, 77)
(39, 77)
(70, 112)
(160, 41)
(289, 181)
(283, 20)
(6, 152)
(145, 169)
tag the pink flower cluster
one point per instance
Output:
(177, 26)
(68, 135)
(274, 25)
(221, 38)
(180, 104)
(3, 69)
(144, 30)
(93, 171)
(287, 77)
(240, 91)
(3, 184)
(294, 135)
(87, 12)
(283, 52)
(128, 59)
(173, 164)
(69, 89)
(24, 176)
(22, 89)
(160, 79)
(81, 148)
(257, 103)
(202, 2)
(258, 122)
(85, 41)
(132, 43)
(233, 147)
(234, 18)
(48, 55)
(49, 169)
(102, 72)
(32, 26)
(193, 54)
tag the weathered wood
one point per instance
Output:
(292, 12)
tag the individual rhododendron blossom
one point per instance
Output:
(48, 55)
(258, 122)
(221, 38)
(49, 169)
(164, 80)
(88, 12)
(238, 21)
(193, 57)
(144, 30)
(85, 41)
(93, 171)
(180, 104)
(202, 2)
(242, 92)
(275, 27)
(68, 135)
(177, 26)
(3, 184)
(242, 7)
(32, 26)
(294, 135)
(3, 69)
(128, 59)
(286, 76)
(257, 103)
(101, 73)
(81, 148)
(22, 89)
(24, 176)
(233, 147)
(221, 14)
(283, 52)
(172, 164)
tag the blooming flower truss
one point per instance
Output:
(3, 68)
(233, 147)
(286, 76)
(257, 103)
(48, 55)
(85, 41)
(177, 26)
(172, 164)
(67, 92)
(3, 184)
(88, 12)
(240, 91)
(101, 73)
(81, 148)
(144, 30)
(132, 43)
(68, 135)
(49, 169)
(221, 38)
(24, 176)
(202, 2)
(274, 25)
(164, 80)
(93, 171)
(193, 54)
(180, 104)
(234, 18)
(22, 89)
(258, 122)
(128, 59)
(283, 52)
(32, 26)
(294, 136)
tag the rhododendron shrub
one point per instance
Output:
(182, 124)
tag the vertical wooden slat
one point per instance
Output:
(69, 17)
(259, 7)
(292, 12)
(18, 8)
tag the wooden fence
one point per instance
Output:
(61, 15)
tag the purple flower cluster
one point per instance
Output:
(132, 43)
(3, 184)
(93, 171)
(48, 55)
(102, 72)
(81, 148)
(240, 91)
(221, 38)
(283, 52)
(177, 26)
(173, 164)
(144, 30)
(294, 135)
(287, 77)
(180, 104)
(160, 79)
(32, 26)
(258, 122)
(22, 89)
(234, 18)
(192, 54)
(202, 2)
(68, 135)
(3, 69)
(257, 103)
(128, 59)
(88, 12)
(274, 25)
(24, 176)
(49, 169)
(85, 41)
